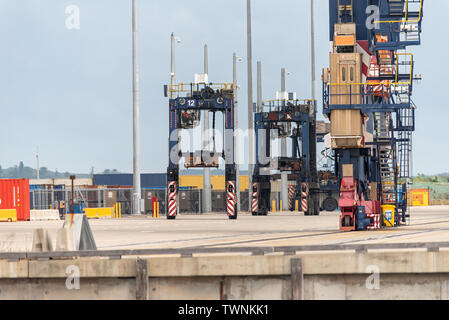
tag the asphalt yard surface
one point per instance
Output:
(429, 224)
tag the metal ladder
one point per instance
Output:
(83, 199)
(411, 28)
(396, 7)
(345, 10)
(405, 151)
(386, 158)
(388, 174)
(405, 148)
(382, 130)
(405, 129)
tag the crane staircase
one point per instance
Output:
(82, 198)
(405, 129)
(411, 25)
(401, 22)
(388, 169)
(396, 7)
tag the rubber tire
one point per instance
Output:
(330, 204)
(234, 217)
(171, 217)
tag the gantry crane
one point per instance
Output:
(295, 119)
(367, 97)
(185, 106)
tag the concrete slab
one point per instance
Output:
(430, 224)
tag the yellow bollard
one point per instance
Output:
(113, 211)
(274, 206)
(297, 205)
(280, 206)
(120, 210)
(157, 209)
(154, 209)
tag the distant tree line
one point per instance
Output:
(442, 178)
(21, 171)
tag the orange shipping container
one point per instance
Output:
(15, 194)
(218, 182)
(420, 197)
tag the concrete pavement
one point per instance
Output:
(430, 224)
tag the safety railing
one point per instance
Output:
(187, 252)
(407, 13)
(359, 93)
(188, 89)
(279, 104)
(408, 64)
(408, 32)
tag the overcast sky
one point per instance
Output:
(69, 91)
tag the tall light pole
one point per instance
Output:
(312, 47)
(250, 105)
(284, 175)
(173, 40)
(207, 193)
(236, 126)
(136, 208)
(259, 86)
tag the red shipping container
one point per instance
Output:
(15, 194)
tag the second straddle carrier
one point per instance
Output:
(185, 106)
(295, 119)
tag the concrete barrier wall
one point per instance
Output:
(330, 275)
(44, 215)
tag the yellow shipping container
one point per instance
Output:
(191, 181)
(217, 182)
(420, 197)
(97, 213)
(8, 215)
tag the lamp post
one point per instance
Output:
(173, 40)
(136, 207)
(312, 47)
(259, 86)
(207, 192)
(236, 59)
(250, 105)
(284, 175)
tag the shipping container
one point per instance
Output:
(420, 197)
(15, 194)
(147, 180)
(159, 181)
(217, 182)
